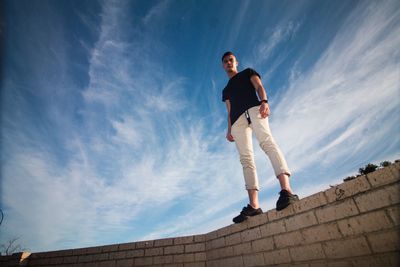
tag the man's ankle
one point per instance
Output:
(254, 206)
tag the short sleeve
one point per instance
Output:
(252, 72)
(225, 95)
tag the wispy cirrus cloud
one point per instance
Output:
(276, 36)
(349, 91)
(139, 154)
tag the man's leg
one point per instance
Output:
(253, 198)
(284, 182)
(242, 135)
(268, 144)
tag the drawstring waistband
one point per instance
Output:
(247, 116)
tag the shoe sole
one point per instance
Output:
(246, 217)
(289, 203)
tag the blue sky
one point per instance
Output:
(113, 128)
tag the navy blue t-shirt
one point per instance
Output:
(241, 93)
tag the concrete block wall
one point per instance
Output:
(356, 223)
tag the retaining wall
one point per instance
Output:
(355, 223)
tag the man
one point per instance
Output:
(247, 105)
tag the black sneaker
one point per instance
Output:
(246, 212)
(285, 199)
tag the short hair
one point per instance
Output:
(229, 53)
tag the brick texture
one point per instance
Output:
(355, 223)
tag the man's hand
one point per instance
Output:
(264, 110)
(229, 137)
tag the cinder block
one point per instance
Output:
(135, 253)
(145, 261)
(195, 247)
(258, 220)
(216, 243)
(79, 251)
(153, 252)
(88, 264)
(82, 258)
(226, 252)
(107, 264)
(264, 244)
(32, 262)
(294, 265)
(124, 263)
(251, 234)
(69, 252)
(319, 264)
(214, 263)
(100, 257)
(200, 238)
(322, 232)
(241, 249)
(387, 259)
(195, 264)
(395, 168)
(173, 265)
(373, 221)
(231, 262)
(220, 253)
(311, 202)
(213, 254)
(163, 242)
(300, 221)
(347, 189)
(273, 228)
(174, 249)
(306, 253)
(239, 227)
(386, 196)
(276, 257)
(394, 214)
(276, 215)
(72, 259)
(145, 244)
(233, 239)
(256, 259)
(183, 240)
(109, 248)
(184, 258)
(163, 259)
(200, 256)
(59, 260)
(212, 235)
(382, 176)
(117, 255)
(93, 250)
(336, 211)
(288, 239)
(127, 246)
(385, 241)
(223, 231)
(345, 248)
(337, 263)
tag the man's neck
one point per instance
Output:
(232, 73)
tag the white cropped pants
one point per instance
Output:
(242, 134)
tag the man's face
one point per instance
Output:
(230, 64)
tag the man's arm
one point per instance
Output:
(229, 136)
(262, 94)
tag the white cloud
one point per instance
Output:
(354, 85)
(156, 12)
(135, 154)
(279, 34)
